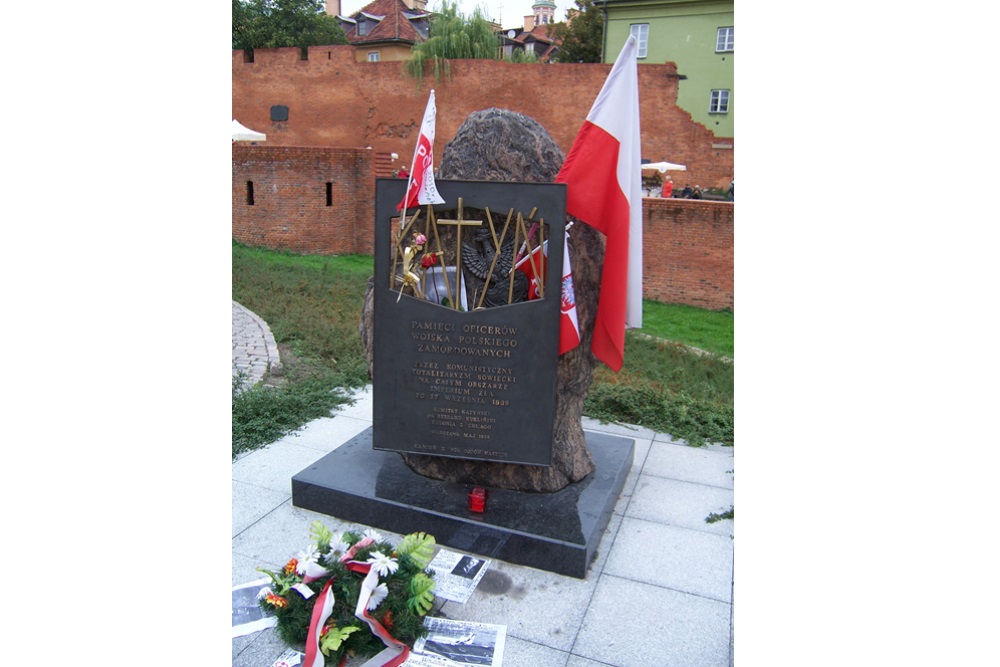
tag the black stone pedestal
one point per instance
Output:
(557, 532)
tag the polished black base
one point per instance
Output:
(557, 532)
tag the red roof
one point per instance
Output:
(393, 27)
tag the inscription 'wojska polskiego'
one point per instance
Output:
(470, 340)
(455, 380)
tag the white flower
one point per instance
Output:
(373, 535)
(264, 592)
(337, 549)
(383, 564)
(308, 555)
(380, 593)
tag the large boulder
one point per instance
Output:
(500, 145)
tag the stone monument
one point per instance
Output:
(498, 145)
(510, 473)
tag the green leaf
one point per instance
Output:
(419, 547)
(334, 637)
(421, 594)
(321, 534)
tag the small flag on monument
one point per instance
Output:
(569, 326)
(420, 188)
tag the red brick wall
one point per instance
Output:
(334, 101)
(290, 210)
(687, 244)
(687, 252)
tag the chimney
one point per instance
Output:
(529, 22)
(333, 7)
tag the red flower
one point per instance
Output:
(387, 620)
(291, 566)
(428, 260)
(276, 600)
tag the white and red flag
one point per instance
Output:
(603, 175)
(569, 326)
(420, 188)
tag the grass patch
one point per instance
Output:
(313, 306)
(262, 413)
(709, 330)
(664, 386)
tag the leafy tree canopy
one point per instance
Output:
(269, 24)
(453, 35)
(582, 37)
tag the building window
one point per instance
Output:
(720, 102)
(641, 32)
(373, 56)
(362, 28)
(724, 41)
(329, 193)
(249, 193)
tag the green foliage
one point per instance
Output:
(334, 638)
(418, 547)
(421, 594)
(523, 56)
(321, 535)
(582, 39)
(347, 636)
(728, 514)
(268, 24)
(453, 35)
(262, 414)
(666, 387)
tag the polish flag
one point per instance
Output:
(420, 188)
(525, 266)
(569, 326)
(603, 174)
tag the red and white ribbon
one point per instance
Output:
(396, 652)
(321, 612)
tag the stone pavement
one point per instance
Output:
(660, 591)
(254, 350)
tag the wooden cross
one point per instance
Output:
(460, 222)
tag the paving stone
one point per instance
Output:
(682, 559)
(634, 624)
(681, 504)
(251, 502)
(691, 464)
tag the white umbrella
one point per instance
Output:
(664, 166)
(241, 133)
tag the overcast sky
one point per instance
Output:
(510, 13)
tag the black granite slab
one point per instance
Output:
(557, 532)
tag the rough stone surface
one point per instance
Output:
(500, 145)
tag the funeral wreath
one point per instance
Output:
(353, 594)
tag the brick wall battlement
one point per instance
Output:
(334, 101)
(320, 201)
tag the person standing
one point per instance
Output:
(668, 188)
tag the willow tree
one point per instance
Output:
(453, 35)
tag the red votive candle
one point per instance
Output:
(477, 499)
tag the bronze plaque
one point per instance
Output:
(467, 368)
